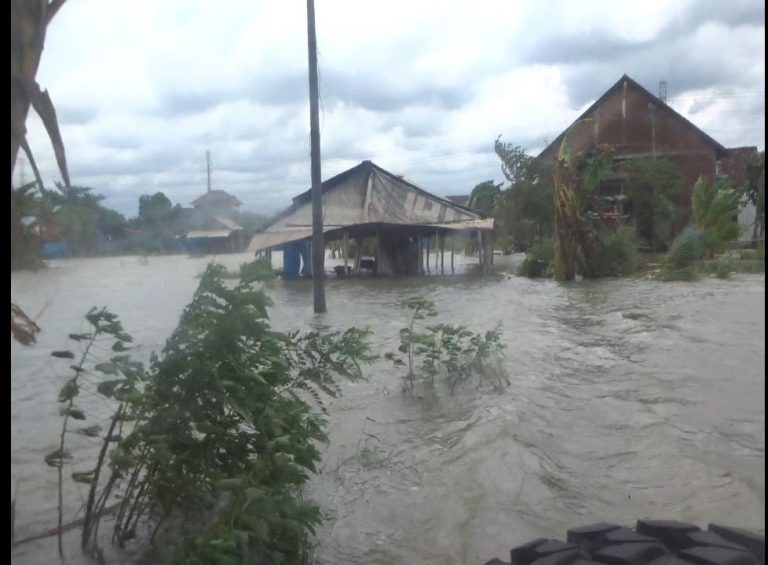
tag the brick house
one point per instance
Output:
(638, 124)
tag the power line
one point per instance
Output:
(745, 94)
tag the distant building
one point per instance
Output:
(217, 203)
(734, 166)
(638, 124)
(212, 224)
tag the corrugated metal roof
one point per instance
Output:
(226, 222)
(204, 234)
(367, 194)
(216, 198)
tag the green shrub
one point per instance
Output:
(220, 433)
(538, 262)
(687, 248)
(446, 349)
(715, 207)
(617, 252)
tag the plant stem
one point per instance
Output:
(410, 345)
(61, 443)
(87, 524)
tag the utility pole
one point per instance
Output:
(318, 245)
(208, 163)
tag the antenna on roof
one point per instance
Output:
(663, 91)
(208, 162)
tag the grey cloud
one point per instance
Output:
(369, 91)
(597, 45)
(286, 90)
(374, 92)
(684, 69)
(733, 13)
(700, 104)
(176, 103)
(155, 160)
(117, 140)
(593, 62)
(75, 116)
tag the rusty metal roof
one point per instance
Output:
(366, 195)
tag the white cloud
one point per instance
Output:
(144, 88)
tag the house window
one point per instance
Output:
(427, 205)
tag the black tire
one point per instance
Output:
(652, 542)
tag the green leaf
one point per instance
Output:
(57, 458)
(85, 477)
(80, 337)
(229, 484)
(107, 388)
(63, 354)
(106, 368)
(119, 346)
(74, 413)
(252, 494)
(90, 431)
(129, 395)
(68, 391)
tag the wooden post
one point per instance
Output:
(428, 269)
(453, 247)
(490, 241)
(437, 250)
(318, 246)
(419, 254)
(344, 252)
(480, 248)
(442, 254)
(358, 254)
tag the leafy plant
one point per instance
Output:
(654, 191)
(687, 248)
(617, 252)
(224, 434)
(123, 378)
(714, 213)
(451, 350)
(524, 210)
(538, 262)
(25, 241)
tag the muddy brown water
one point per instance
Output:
(628, 399)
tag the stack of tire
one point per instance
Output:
(652, 542)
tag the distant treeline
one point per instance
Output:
(74, 222)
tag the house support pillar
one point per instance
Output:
(344, 252)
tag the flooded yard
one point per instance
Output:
(628, 399)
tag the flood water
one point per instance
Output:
(628, 399)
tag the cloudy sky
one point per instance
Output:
(422, 88)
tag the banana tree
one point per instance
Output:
(29, 22)
(576, 179)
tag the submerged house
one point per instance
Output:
(367, 201)
(212, 225)
(220, 235)
(638, 124)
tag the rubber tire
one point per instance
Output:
(651, 542)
